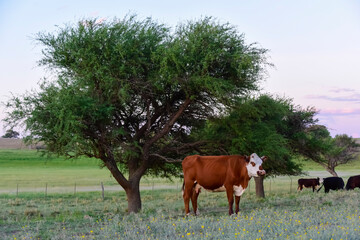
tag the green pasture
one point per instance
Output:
(29, 170)
(304, 215)
(58, 212)
(312, 166)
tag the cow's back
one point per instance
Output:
(334, 183)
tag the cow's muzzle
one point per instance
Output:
(261, 172)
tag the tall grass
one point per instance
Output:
(304, 215)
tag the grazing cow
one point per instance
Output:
(219, 173)
(309, 182)
(333, 183)
(353, 182)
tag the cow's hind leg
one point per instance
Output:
(237, 203)
(187, 192)
(194, 197)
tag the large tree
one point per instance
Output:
(129, 91)
(266, 125)
(317, 145)
(345, 149)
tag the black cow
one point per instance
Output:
(333, 183)
(308, 182)
(353, 182)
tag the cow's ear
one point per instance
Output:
(264, 158)
(247, 158)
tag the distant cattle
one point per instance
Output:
(308, 183)
(333, 183)
(353, 182)
(219, 173)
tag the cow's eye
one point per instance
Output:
(253, 164)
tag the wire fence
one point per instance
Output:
(271, 185)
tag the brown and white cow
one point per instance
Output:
(219, 173)
(308, 183)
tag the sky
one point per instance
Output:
(314, 45)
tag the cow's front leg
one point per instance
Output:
(237, 203)
(230, 196)
(187, 191)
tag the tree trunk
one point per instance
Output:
(131, 186)
(133, 198)
(330, 168)
(332, 171)
(259, 186)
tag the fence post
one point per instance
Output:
(103, 194)
(17, 190)
(75, 189)
(46, 190)
(270, 186)
(290, 184)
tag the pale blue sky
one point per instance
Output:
(315, 45)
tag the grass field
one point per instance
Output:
(280, 216)
(28, 170)
(60, 214)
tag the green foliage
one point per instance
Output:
(317, 145)
(265, 125)
(346, 149)
(313, 143)
(129, 91)
(212, 58)
(343, 150)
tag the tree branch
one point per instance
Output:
(171, 122)
(166, 159)
(145, 164)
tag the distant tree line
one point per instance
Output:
(10, 133)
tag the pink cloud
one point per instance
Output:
(338, 95)
(341, 112)
(341, 122)
(355, 135)
(349, 98)
(340, 90)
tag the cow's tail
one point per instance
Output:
(183, 188)
(320, 187)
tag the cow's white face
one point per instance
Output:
(254, 166)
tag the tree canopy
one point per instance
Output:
(129, 91)
(266, 125)
(327, 151)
